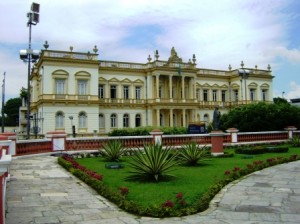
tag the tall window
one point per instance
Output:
(138, 92)
(113, 120)
(223, 95)
(252, 94)
(101, 91)
(205, 95)
(101, 121)
(236, 95)
(126, 121)
(138, 120)
(60, 86)
(174, 120)
(82, 87)
(215, 94)
(126, 92)
(113, 92)
(264, 94)
(198, 94)
(161, 120)
(160, 92)
(82, 120)
(59, 120)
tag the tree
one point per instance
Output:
(280, 100)
(11, 109)
(262, 117)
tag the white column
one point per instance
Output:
(182, 87)
(158, 117)
(183, 118)
(171, 117)
(170, 86)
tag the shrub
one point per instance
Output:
(152, 163)
(192, 153)
(250, 150)
(113, 150)
(276, 149)
(295, 141)
(139, 131)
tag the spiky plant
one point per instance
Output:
(152, 163)
(296, 141)
(113, 150)
(192, 153)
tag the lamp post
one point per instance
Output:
(3, 101)
(244, 74)
(30, 55)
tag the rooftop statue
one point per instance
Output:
(174, 57)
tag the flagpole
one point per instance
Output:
(3, 100)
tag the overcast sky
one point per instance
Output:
(219, 33)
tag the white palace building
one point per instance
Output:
(96, 96)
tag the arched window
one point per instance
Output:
(137, 120)
(101, 121)
(82, 120)
(113, 120)
(126, 121)
(59, 120)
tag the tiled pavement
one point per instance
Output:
(40, 191)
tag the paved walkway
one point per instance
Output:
(40, 191)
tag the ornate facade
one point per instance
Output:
(96, 96)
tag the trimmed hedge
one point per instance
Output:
(140, 131)
(261, 149)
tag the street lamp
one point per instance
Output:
(30, 55)
(244, 74)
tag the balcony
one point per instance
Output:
(60, 96)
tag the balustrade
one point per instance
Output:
(24, 147)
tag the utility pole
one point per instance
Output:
(3, 100)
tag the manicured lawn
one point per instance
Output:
(191, 181)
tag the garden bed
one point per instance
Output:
(190, 190)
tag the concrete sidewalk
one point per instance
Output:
(40, 191)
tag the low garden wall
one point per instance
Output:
(232, 137)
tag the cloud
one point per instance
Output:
(294, 92)
(291, 55)
(218, 34)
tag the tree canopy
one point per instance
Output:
(262, 117)
(11, 109)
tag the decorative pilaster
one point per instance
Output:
(58, 140)
(156, 136)
(290, 130)
(217, 143)
(233, 134)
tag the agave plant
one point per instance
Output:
(192, 153)
(152, 163)
(296, 141)
(113, 150)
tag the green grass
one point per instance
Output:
(191, 181)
